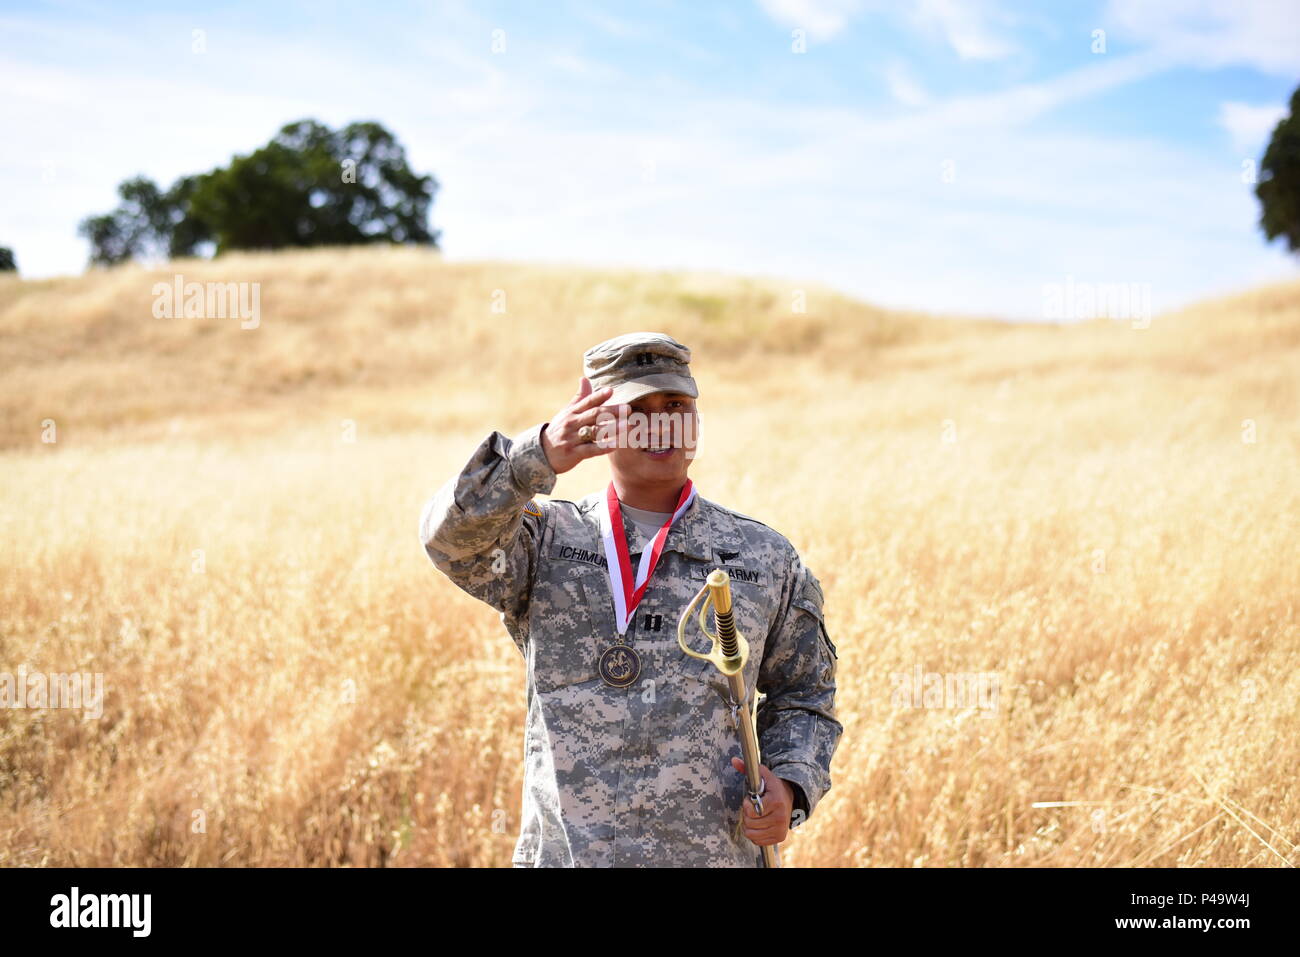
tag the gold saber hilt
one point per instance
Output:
(729, 653)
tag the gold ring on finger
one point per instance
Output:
(587, 433)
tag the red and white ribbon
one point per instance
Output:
(627, 591)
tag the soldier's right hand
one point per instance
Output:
(563, 446)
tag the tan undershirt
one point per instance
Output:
(647, 523)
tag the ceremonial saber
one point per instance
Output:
(729, 653)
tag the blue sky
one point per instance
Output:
(933, 154)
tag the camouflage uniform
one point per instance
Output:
(637, 775)
(640, 775)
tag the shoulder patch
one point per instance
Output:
(809, 598)
(809, 594)
(533, 509)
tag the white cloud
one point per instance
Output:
(1264, 34)
(1249, 126)
(583, 67)
(967, 26)
(164, 117)
(860, 204)
(614, 26)
(666, 172)
(991, 113)
(903, 88)
(820, 19)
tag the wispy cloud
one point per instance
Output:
(1263, 34)
(975, 29)
(583, 67)
(1249, 126)
(688, 143)
(1019, 104)
(903, 87)
(820, 19)
(613, 25)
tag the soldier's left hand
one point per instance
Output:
(778, 804)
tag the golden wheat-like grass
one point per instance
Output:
(1075, 510)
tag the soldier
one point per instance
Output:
(631, 758)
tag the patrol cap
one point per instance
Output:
(637, 364)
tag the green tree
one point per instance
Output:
(1279, 180)
(147, 223)
(7, 263)
(310, 186)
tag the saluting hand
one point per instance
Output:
(778, 804)
(563, 446)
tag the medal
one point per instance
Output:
(619, 665)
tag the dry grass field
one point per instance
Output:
(1107, 519)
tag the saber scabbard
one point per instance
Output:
(729, 654)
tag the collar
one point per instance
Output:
(703, 530)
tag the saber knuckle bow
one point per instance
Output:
(729, 653)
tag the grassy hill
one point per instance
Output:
(89, 350)
(1101, 517)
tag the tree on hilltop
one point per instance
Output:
(309, 186)
(1279, 180)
